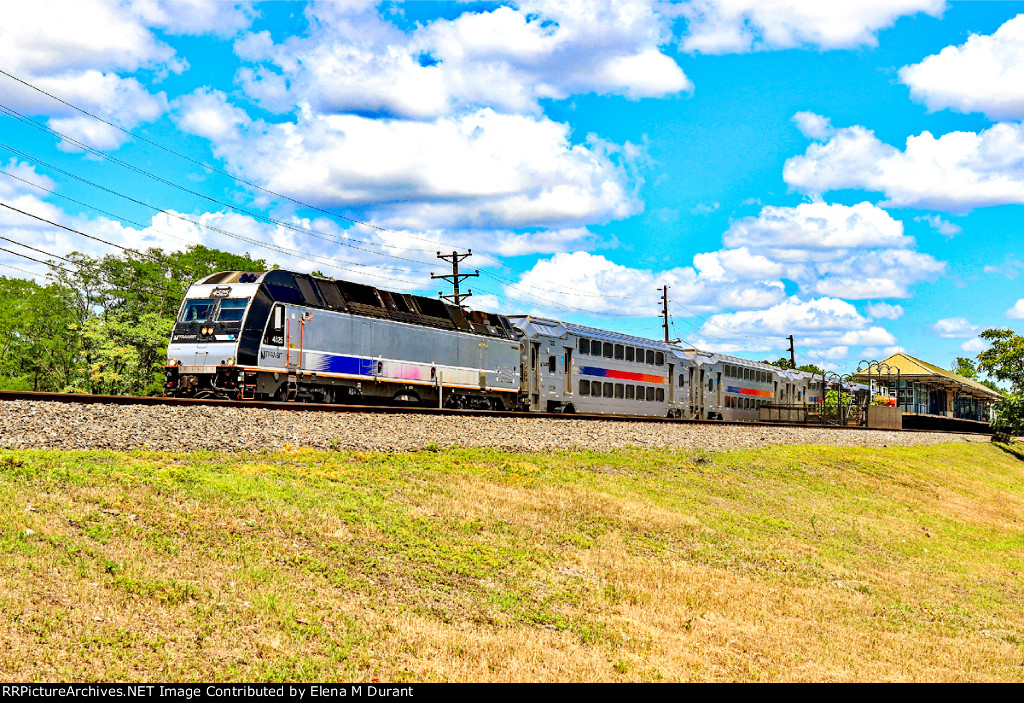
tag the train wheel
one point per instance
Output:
(406, 398)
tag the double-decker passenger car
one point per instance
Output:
(287, 336)
(573, 368)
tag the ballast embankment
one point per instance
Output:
(49, 425)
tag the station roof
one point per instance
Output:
(911, 368)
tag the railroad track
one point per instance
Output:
(86, 399)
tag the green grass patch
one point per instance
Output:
(803, 563)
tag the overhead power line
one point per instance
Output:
(31, 258)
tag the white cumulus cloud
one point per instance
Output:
(956, 172)
(1017, 311)
(354, 59)
(734, 26)
(885, 311)
(985, 74)
(482, 169)
(974, 346)
(81, 50)
(854, 252)
(953, 327)
(945, 228)
(819, 323)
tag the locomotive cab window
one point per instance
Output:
(231, 309)
(197, 310)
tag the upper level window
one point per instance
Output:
(619, 351)
(659, 359)
(584, 346)
(630, 353)
(608, 350)
(650, 357)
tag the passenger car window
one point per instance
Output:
(551, 364)
(659, 395)
(619, 390)
(608, 350)
(650, 392)
(630, 392)
(584, 387)
(584, 346)
(620, 352)
(630, 353)
(650, 357)
(659, 359)
(608, 390)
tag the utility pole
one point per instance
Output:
(455, 277)
(665, 313)
(792, 353)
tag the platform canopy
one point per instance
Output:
(913, 369)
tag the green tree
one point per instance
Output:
(1004, 359)
(965, 366)
(103, 325)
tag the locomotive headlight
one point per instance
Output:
(230, 361)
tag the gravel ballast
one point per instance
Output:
(49, 425)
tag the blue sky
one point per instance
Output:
(852, 175)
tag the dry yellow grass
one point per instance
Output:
(785, 564)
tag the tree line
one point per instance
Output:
(100, 324)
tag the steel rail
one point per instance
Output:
(87, 399)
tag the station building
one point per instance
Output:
(929, 395)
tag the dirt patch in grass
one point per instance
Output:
(780, 564)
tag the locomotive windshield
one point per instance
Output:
(196, 310)
(231, 309)
(207, 309)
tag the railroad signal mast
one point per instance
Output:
(455, 277)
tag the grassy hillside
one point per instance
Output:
(793, 563)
